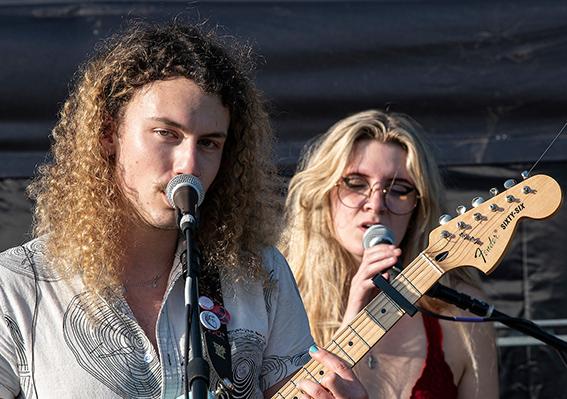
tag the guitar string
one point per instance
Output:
(547, 149)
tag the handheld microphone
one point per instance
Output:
(380, 234)
(185, 193)
(377, 234)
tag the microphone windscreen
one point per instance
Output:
(185, 180)
(377, 234)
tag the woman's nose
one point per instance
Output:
(376, 200)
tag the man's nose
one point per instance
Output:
(187, 160)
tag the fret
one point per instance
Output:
(371, 315)
(385, 312)
(351, 361)
(311, 375)
(362, 339)
(365, 327)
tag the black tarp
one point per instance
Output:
(486, 79)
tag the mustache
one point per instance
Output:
(160, 186)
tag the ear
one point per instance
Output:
(108, 141)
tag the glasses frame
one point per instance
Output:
(375, 187)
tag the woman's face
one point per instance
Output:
(378, 166)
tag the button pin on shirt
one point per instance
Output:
(206, 303)
(209, 320)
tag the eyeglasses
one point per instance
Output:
(400, 198)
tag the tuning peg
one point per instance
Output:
(525, 174)
(509, 183)
(444, 219)
(477, 201)
(493, 191)
(527, 190)
(461, 209)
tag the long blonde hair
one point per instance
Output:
(79, 203)
(322, 267)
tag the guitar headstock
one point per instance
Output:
(480, 236)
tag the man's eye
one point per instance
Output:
(207, 143)
(164, 133)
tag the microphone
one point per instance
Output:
(185, 193)
(377, 234)
(463, 301)
(380, 234)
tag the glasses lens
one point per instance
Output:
(401, 199)
(352, 191)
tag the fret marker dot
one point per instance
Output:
(383, 310)
(350, 343)
(321, 372)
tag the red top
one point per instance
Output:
(436, 380)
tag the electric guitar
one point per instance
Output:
(478, 238)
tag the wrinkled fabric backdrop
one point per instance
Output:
(487, 81)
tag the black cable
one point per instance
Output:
(34, 319)
(488, 313)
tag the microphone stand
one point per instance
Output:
(483, 309)
(196, 368)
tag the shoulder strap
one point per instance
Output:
(216, 342)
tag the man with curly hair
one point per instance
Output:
(94, 304)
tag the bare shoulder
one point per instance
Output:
(470, 350)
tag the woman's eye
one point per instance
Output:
(356, 184)
(400, 190)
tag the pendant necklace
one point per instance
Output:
(151, 283)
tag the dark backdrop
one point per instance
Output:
(487, 80)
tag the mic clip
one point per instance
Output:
(186, 221)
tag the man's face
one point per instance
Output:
(169, 127)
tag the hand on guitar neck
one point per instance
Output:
(337, 381)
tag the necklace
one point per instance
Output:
(371, 361)
(152, 283)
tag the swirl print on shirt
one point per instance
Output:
(29, 261)
(111, 347)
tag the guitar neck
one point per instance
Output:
(352, 342)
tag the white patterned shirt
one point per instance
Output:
(59, 340)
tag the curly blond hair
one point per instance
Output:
(322, 267)
(79, 206)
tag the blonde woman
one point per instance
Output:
(374, 168)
